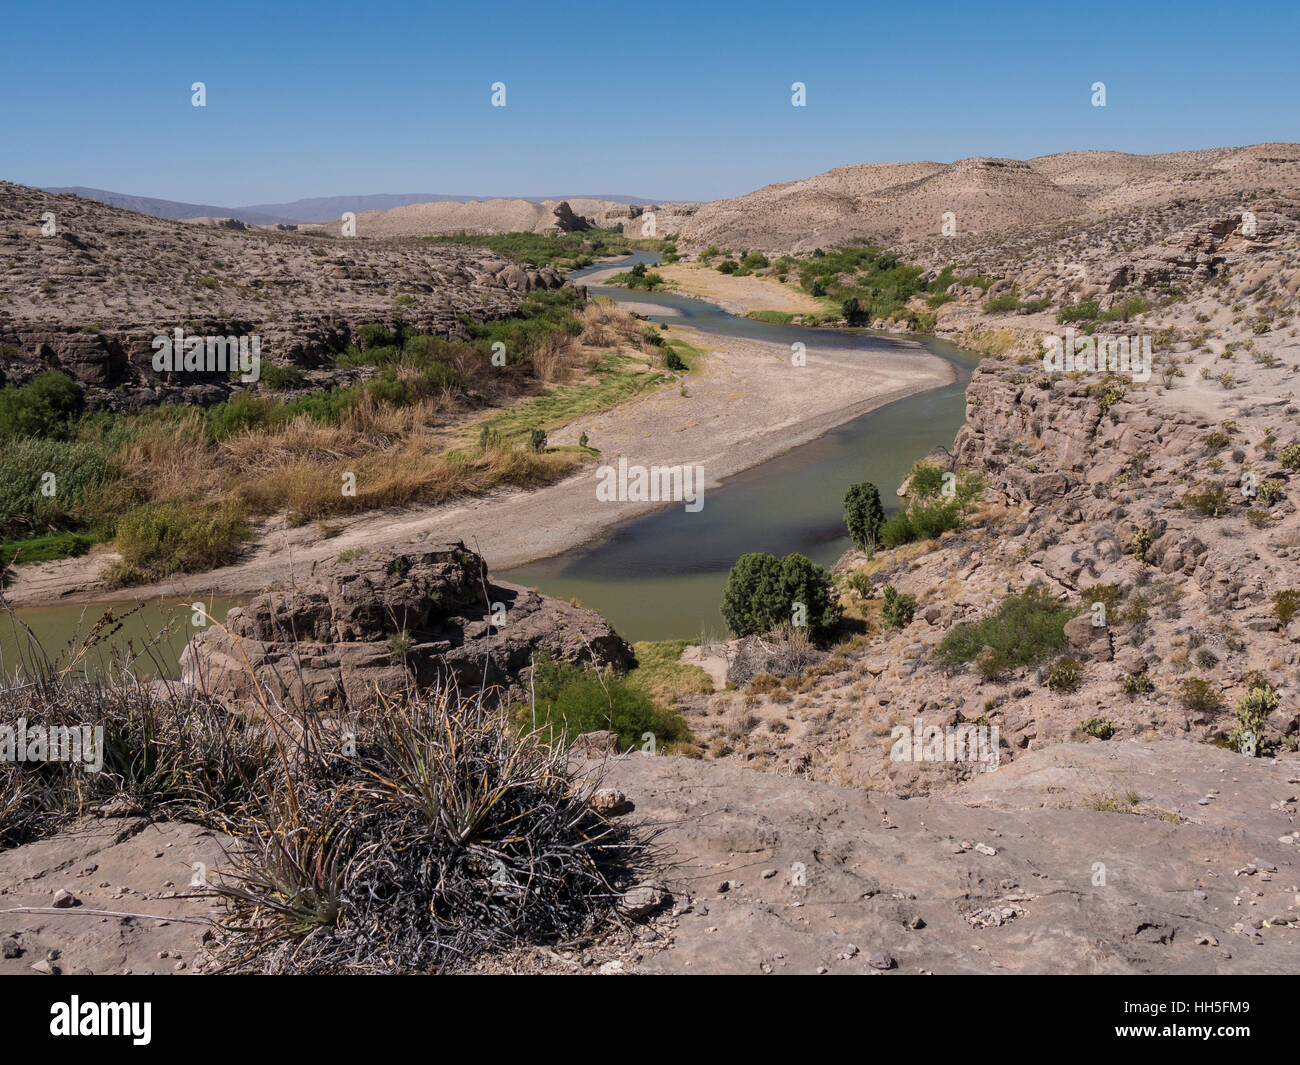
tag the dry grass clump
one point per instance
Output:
(438, 834)
(168, 751)
(417, 835)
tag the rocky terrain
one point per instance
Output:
(1170, 501)
(90, 298)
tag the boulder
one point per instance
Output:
(425, 614)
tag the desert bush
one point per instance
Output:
(899, 608)
(1198, 696)
(762, 592)
(448, 834)
(1102, 728)
(280, 378)
(1136, 683)
(1252, 711)
(1290, 456)
(1025, 628)
(1065, 676)
(1209, 500)
(157, 540)
(1285, 604)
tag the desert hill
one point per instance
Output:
(892, 203)
(89, 298)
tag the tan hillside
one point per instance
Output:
(892, 203)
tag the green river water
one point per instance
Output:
(656, 577)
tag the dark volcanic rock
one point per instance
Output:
(426, 614)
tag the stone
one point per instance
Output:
(421, 615)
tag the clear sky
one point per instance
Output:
(666, 100)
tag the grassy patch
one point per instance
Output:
(1024, 629)
(158, 540)
(571, 700)
(45, 548)
(616, 379)
(659, 674)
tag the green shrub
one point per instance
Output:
(853, 312)
(920, 521)
(1008, 301)
(1291, 456)
(1065, 676)
(1209, 499)
(46, 406)
(1271, 491)
(674, 362)
(755, 260)
(1079, 312)
(1102, 728)
(281, 378)
(1136, 683)
(899, 608)
(375, 335)
(1025, 628)
(863, 515)
(574, 699)
(762, 591)
(537, 440)
(1252, 711)
(439, 377)
(925, 480)
(158, 540)
(1285, 604)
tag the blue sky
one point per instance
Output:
(666, 100)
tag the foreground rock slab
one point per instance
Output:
(120, 865)
(1041, 882)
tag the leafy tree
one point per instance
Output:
(762, 592)
(852, 311)
(863, 515)
(45, 406)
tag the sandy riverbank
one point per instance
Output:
(746, 404)
(735, 295)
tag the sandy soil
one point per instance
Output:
(747, 404)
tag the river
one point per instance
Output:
(655, 577)
(661, 576)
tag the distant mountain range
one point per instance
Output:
(314, 209)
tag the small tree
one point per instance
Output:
(863, 515)
(852, 311)
(762, 592)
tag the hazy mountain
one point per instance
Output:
(312, 209)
